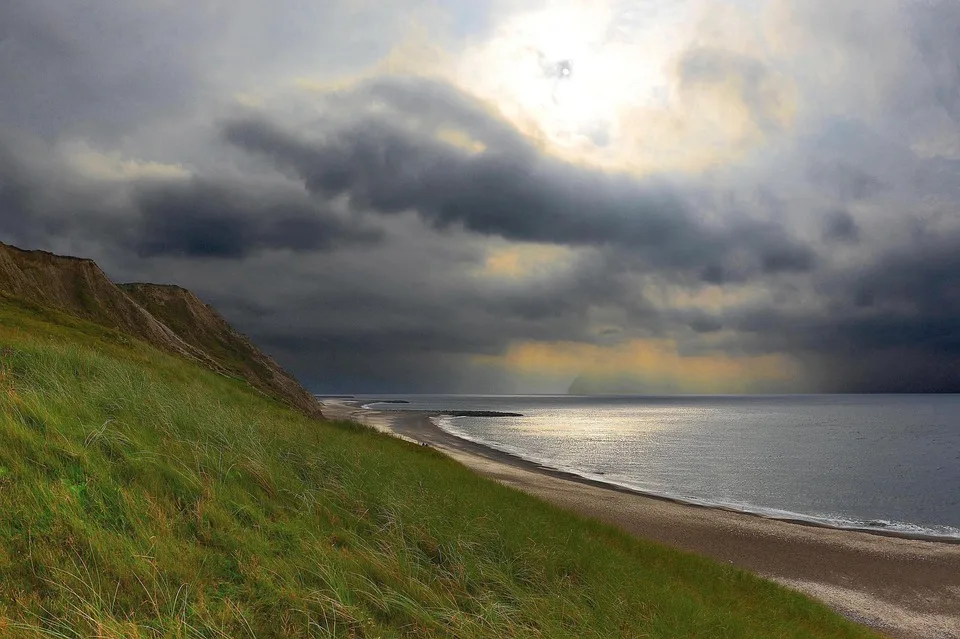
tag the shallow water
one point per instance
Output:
(879, 461)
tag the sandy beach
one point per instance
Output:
(903, 587)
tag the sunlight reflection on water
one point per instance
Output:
(890, 460)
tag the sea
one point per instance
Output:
(882, 462)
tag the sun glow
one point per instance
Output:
(573, 69)
(629, 88)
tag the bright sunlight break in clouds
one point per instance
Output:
(496, 196)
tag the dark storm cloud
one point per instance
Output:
(37, 203)
(423, 323)
(431, 103)
(848, 182)
(205, 219)
(98, 65)
(170, 217)
(839, 226)
(101, 69)
(510, 190)
(383, 323)
(892, 325)
(917, 281)
(15, 194)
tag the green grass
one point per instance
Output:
(142, 496)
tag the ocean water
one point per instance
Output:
(874, 461)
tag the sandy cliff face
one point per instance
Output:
(170, 318)
(80, 288)
(205, 329)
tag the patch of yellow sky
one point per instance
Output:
(517, 262)
(712, 298)
(95, 164)
(654, 365)
(461, 140)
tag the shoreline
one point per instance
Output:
(517, 460)
(901, 584)
(756, 511)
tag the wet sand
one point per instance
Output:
(903, 587)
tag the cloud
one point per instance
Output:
(196, 218)
(890, 325)
(509, 190)
(525, 261)
(155, 210)
(848, 182)
(95, 165)
(733, 83)
(713, 195)
(841, 227)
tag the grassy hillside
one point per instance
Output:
(144, 496)
(168, 317)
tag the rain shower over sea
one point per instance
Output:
(881, 462)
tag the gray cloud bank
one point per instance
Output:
(510, 190)
(348, 236)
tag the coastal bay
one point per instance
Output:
(905, 586)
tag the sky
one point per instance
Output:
(494, 196)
